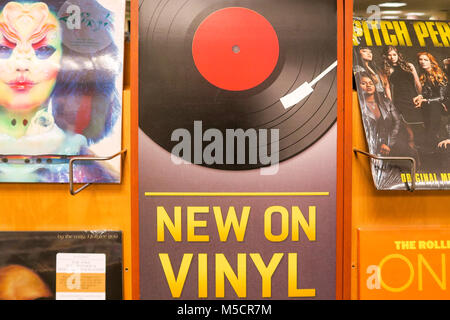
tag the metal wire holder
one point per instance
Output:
(412, 160)
(74, 159)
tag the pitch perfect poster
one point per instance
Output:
(60, 89)
(402, 72)
(237, 148)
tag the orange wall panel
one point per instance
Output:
(373, 208)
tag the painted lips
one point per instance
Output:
(21, 85)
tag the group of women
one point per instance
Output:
(406, 110)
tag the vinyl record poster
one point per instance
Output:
(237, 149)
(60, 89)
(402, 73)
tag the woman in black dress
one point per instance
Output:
(386, 133)
(404, 83)
(405, 87)
(434, 101)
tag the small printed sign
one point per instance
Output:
(80, 276)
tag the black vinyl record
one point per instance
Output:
(175, 93)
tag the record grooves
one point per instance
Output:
(176, 89)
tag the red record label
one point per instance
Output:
(235, 49)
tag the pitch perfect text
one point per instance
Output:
(396, 33)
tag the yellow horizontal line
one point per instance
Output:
(233, 194)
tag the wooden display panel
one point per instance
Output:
(387, 208)
(41, 207)
(51, 207)
(364, 206)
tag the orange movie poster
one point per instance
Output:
(403, 263)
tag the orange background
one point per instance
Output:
(364, 206)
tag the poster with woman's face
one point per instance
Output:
(61, 67)
(402, 77)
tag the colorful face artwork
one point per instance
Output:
(30, 55)
(60, 88)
